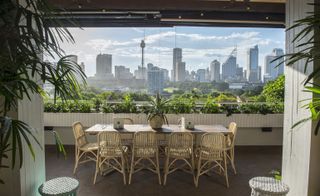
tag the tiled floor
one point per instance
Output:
(250, 161)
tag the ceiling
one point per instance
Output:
(155, 13)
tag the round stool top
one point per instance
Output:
(59, 186)
(268, 185)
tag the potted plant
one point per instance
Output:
(157, 112)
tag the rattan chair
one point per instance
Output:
(230, 144)
(82, 146)
(111, 153)
(212, 155)
(145, 148)
(180, 147)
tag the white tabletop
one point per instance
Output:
(132, 128)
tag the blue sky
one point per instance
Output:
(200, 45)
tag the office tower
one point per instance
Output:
(207, 76)
(215, 71)
(280, 61)
(141, 73)
(103, 65)
(229, 67)
(155, 80)
(83, 67)
(165, 74)
(150, 66)
(122, 73)
(259, 74)
(273, 65)
(180, 72)
(201, 75)
(177, 59)
(239, 73)
(253, 64)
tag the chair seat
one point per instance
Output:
(145, 152)
(179, 152)
(113, 152)
(206, 155)
(89, 147)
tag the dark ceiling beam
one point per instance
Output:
(196, 5)
(150, 13)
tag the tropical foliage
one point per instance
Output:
(158, 108)
(273, 91)
(24, 38)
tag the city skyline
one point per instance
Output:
(200, 45)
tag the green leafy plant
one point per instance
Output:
(180, 105)
(210, 107)
(107, 108)
(273, 91)
(158, 107)
(127, 106)
(25, 37)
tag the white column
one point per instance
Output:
(301, 156)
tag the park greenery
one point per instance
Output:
(266, 100)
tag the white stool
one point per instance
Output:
(267, 186)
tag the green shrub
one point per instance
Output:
(230, 109)
(107, 108)
(210, 107)
(181, 105)
(127, 106)
(225, 98)
(70, 106)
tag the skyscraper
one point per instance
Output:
(201, 75)
(103, 65)
(177, 58)
(180, 71)
(273, 67)
(229, 67)
(122, 73)
(253, 64)
(155, 80)
(215, 71)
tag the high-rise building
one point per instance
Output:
(215, 71)
(104, 65)
(201, 75)
(239, 73)
(155, 80)
(177, 59)
(122, 73)
(229, 67)
(274, 65)
(165, 74)
(259, 74)
(140, 73)
(180, 72)
(253, 64)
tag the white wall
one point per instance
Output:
(249, 131)
(25, 182)
(300, 147)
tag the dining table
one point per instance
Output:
(128, 130)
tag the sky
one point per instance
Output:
(200, 45)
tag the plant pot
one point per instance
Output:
(156, 122)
